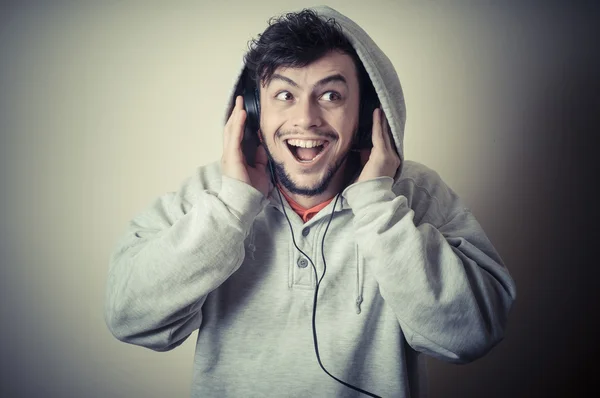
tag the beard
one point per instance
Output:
(284, 177)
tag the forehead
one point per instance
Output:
(330, 64)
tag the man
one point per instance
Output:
(312, 255)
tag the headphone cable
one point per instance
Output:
(318, 283)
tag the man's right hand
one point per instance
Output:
(233, 161)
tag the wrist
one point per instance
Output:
(364, 193)
(242, 199)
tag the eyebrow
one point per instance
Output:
(329, 79)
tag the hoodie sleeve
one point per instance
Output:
(171, 256)
(441, 276)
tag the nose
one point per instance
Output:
(307, 114)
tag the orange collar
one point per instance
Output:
(305, 214)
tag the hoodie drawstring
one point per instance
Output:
(251, 246)
(359, 281)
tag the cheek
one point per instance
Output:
(269, 124)
(346, 128)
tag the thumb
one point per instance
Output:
(261, 158)
(365, 154)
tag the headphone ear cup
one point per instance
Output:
(255, 105)
(257, 101)
(252, 109)
(365, 122)
(251, 140)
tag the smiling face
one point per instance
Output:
(308, 120)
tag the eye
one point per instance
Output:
(284, 96)
(331, 96)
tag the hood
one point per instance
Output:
(380, 69)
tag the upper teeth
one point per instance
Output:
(306, 143)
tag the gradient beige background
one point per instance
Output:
(105, 106)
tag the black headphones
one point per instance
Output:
(369, 101)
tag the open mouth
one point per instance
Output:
(307, 151)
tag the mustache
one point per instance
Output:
(323, 134)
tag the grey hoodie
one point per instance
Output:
(409, 271)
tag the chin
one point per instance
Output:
(303, 182)
(315, 187)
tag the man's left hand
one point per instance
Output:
(381, 160)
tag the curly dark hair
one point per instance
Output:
(296, 40)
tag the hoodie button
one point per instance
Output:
(302, 262)
(305, 231)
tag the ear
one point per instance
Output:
(260, 137)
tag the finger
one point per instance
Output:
(239, 120)
(386, 132)
(376, 134)
(236, 107)
(237, 133)
(230, 121)
(236, 129)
